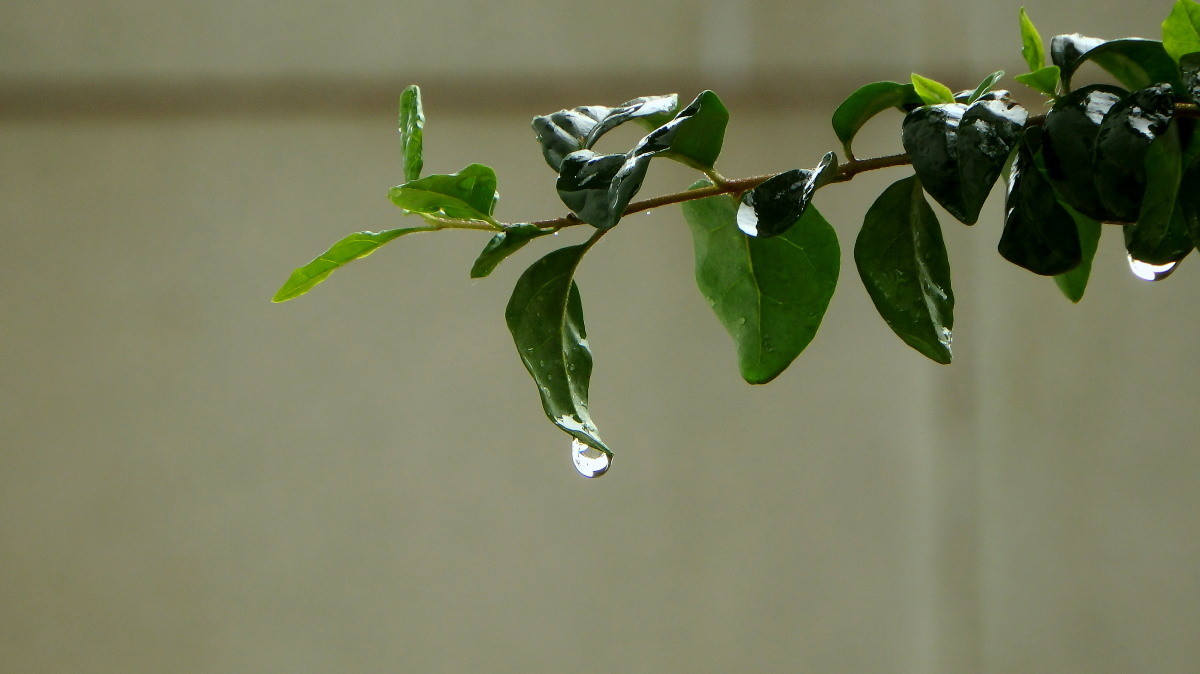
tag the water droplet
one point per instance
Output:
(712, 301)
(1150, 272)
(741, 320)
(589, 461)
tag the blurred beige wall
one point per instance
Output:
(195, 480)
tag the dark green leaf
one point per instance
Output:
(1044, 80)
(567, 131)
(1136, 63)
(931, 91)
(1189, 70)
(1124, 137)
(1074, 283)
(469, 194)
(770, 294)
(1065, 50)
(902, 261)
(1039, 234)
(958, 151)
(598, 188)
(777, 204)
(1069, 145)
(411, 124)
(1160, 235)
(1189, 199)
(545, 316)
(985, 86)
(512, 239)
(1181, 29)
(1031, 43)
(353, 247)
(694, 137)
(867, 102)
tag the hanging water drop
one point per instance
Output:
(1150, 272)
(589, 461)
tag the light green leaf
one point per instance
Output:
(1031, 43)
(412, 124)
(353, 247)
(469, 194)
(1044, 80)
(1074, 283)
(868, 101)
(985, 86)
(512, 239)
(931, 91)
(770, 294)
(1181, 29)
(545, 316)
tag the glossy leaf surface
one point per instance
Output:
(902, 261)
(1073, 283)
(1039, 234)
(865, 103)
(545, 316)
(651, 111)
(985, 86)
(1124, 137)
(469, 194)
(1189, 70)
(1032, 49)
(931, 91)
(512, 239)
(1189, 198)
(598, 188)
(357, 245)
(1044, 80)
(777, 204)
(1160, 234)
(1065, 50)
(770, 294)
(1181, 29)
(412, 125)
(958, 151)
(1136, 63)
(694, 137)
(567, 131)
(1069, 145)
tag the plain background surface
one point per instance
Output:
(195, 480)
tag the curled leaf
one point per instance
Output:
(1031, 43)
(775, 205)
(500, 246)
(469, 194)
(1039, 234)
(567, 131)
(866, 102)
(411, 125)
(1122, 141)
(931, 91)
(1069, 145)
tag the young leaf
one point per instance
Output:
(902, 261)
(1136, 63)
(1039, 234)
(512, 239)
(1073, 283)
(694, 137)
(1181, 29)
(984, 86)
(567, 131)
(469, 194)
(353, 247)
(1069, 145)
(931, 91)
(1031, 43)
(770, 294)
(1044, 80)
(1125, 135)
(777, 204)
(865, 103)
(545, 316)
(411, 124)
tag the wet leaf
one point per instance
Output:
(512, 239)
(1160, 234)
(1031, 43)
(694, 137)
(1181, 29)
(777, 204)
(469, 194)
(1136, 63)
(770, 294)
(958, 151)
(567, 131)
(1189, 198)
(1065, 50)
(1073, 283)
(545, 316)
(1069, 145)
(1039, 234)
(1124, 137)
(353, 247)
(902, 261)
(1189, 70)
(1044, 80)
(411, 125)
(598, 188)
(867, 102)
(931, 91)
(985, 86)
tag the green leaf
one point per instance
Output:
(1136, 63)
(1044, 80)
(598, 188)
(567, 131)
(776, 204)
(512, 239)
(1031, 43)
(1065, 50)
(1160, 235)
(1074, 283)
(545, 316)
(469, 194)
(1189, 199)
(958, 151)
(1189, 70)
(412, 124)
(865, 103)
(1181, 29)
(902, 261)
(694, 137)
(353, 247)
(1039, 234)
(1069, 145)
(984, 86)
(1126, 134)
(770, 294)
(931, 91)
